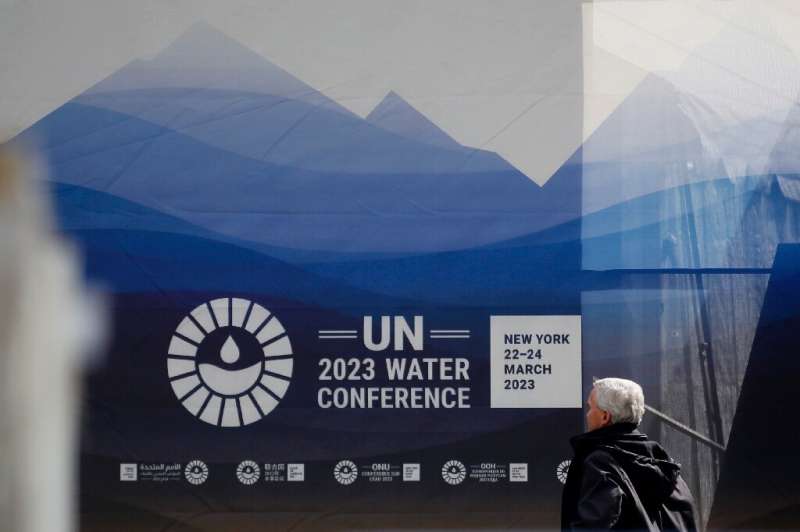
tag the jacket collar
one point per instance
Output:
(606, 434)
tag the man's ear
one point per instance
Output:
(606, 418)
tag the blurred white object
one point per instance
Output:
(48, 321)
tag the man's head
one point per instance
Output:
(614, 401)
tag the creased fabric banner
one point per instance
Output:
(315, 312)
(336, 310)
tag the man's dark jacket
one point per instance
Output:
(620, 480)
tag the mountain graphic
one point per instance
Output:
(211, 88)
(636, 150)
(727, 112)
(206, 59)
(688, 150)
(395, 114)
(211, 133)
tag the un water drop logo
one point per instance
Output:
(230, 362)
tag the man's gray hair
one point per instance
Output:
(621, 398)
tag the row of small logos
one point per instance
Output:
(345, 472)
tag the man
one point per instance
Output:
(619, 479)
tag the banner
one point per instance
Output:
(365, 277)
(314, 312)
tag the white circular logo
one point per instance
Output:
(196, 472)
(562, 470)
(248, 472)
(454, 472)
(345, 472)
(230, 362)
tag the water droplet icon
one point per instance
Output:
(230, 351)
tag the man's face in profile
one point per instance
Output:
(595, 417)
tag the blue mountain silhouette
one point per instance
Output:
(208, 86)
(656, 164)
(395, 114)
(134, 249)
(261, 156)
(203, 58)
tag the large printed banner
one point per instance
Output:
(314, 312)
(369, 286)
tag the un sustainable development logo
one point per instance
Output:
(230, 362)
